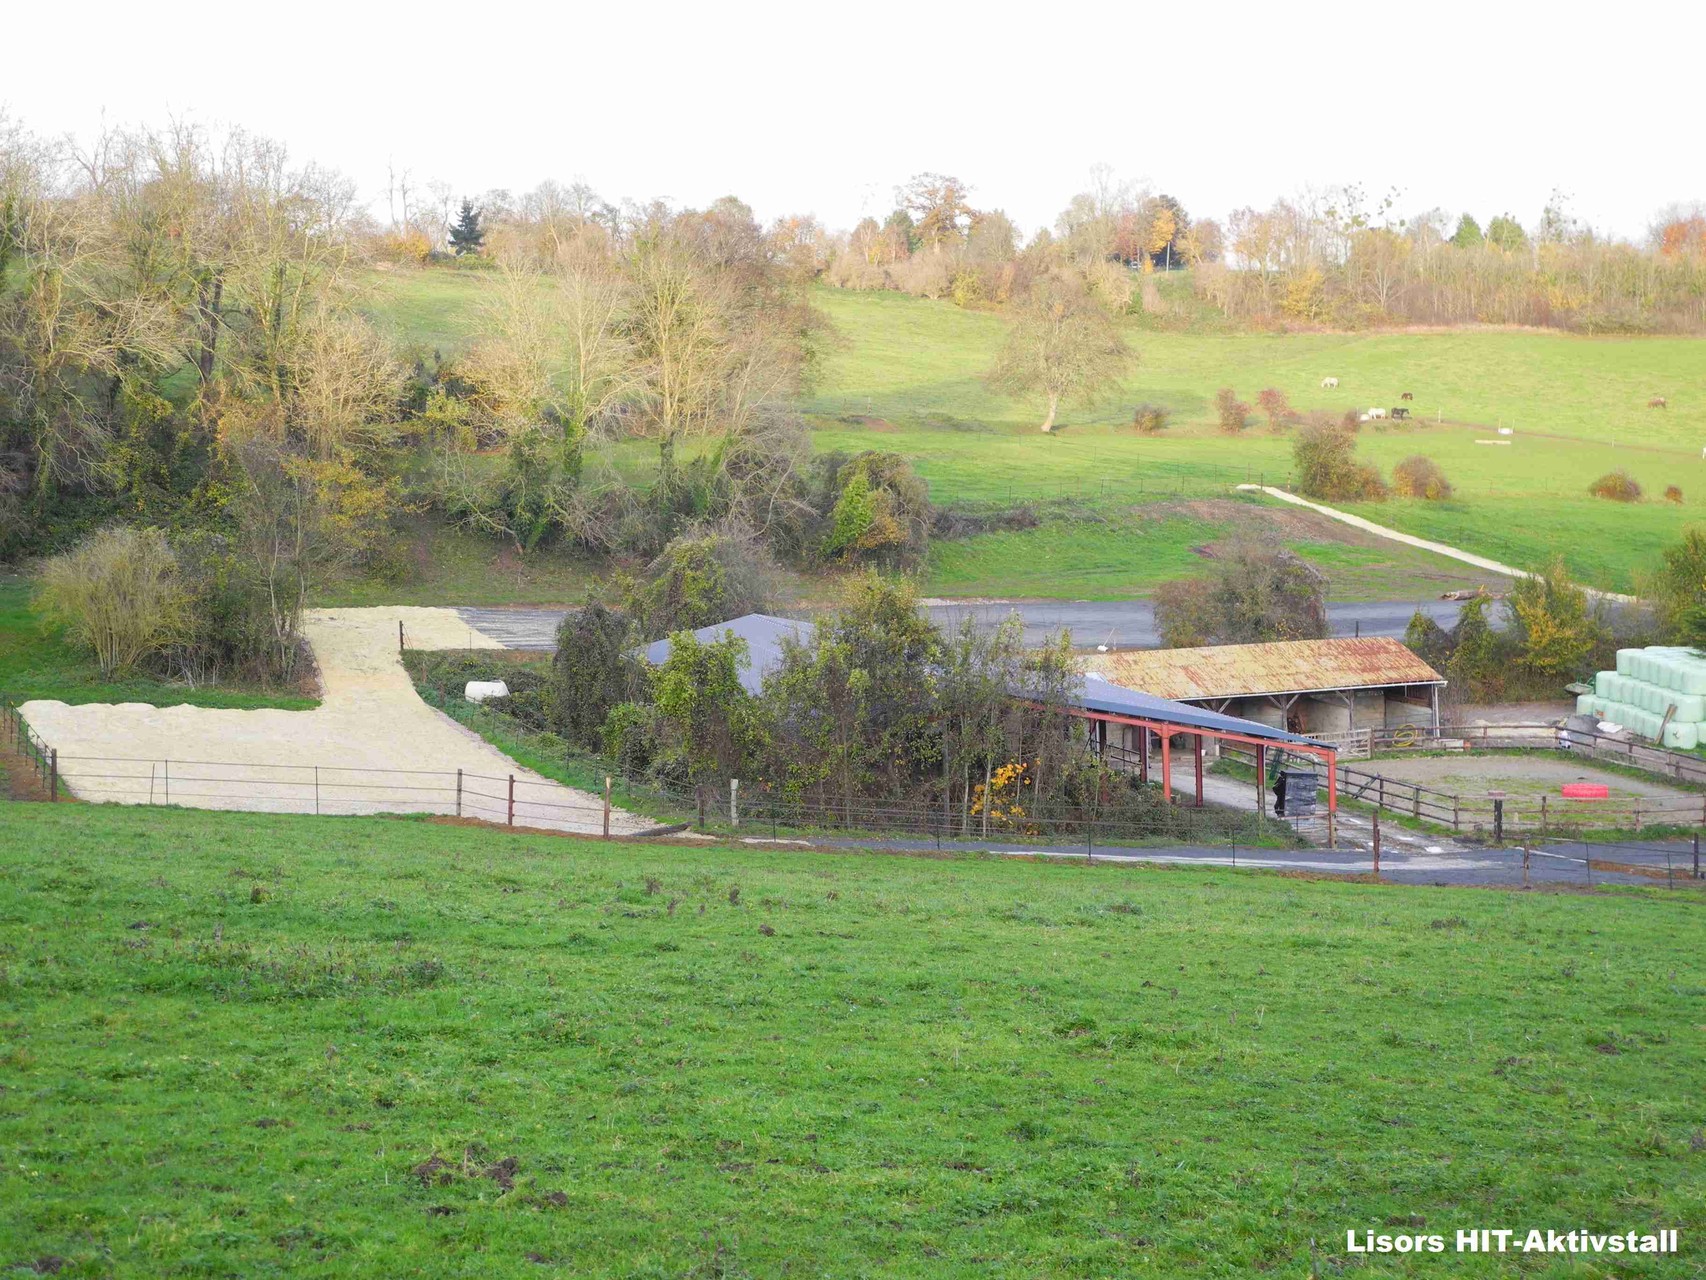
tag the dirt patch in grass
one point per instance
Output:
(1293, 524)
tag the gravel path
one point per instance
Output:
(372, 746)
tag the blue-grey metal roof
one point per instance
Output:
(1098, 694)
(763, 635)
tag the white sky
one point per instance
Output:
(825, 108)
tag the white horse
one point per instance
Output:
(1377, 413)
(1329, 382)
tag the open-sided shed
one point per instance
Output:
(1303, 686)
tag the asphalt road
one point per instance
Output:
(1549, 866)
(1130, 624)
(1126, 624)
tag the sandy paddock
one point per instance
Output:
(1519, 776)
(372, 746)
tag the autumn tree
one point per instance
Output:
(1327, 466)
(1062, 346)
(1556, 631)
(1273, 404)
(939, 207)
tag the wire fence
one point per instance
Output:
(717, 809)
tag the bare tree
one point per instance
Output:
(1062, 346)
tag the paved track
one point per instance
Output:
(1125, 624)
(1557, 866)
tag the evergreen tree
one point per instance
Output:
(1468, 233)
(467, 235)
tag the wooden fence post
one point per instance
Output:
(53, 774)
(607, 806)
(459, 793)
(1377, 844)
(399, 635)
(512, 799)
(1542, 817)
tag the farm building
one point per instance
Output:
(1302, 686)
(763, 634)
(1108, 708)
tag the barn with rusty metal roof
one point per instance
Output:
(1316, 687)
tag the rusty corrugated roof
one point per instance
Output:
(1242, 670)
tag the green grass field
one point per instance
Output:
(906, 374)
(37, 661)
(237, 1044)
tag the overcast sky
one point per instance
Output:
(820, 108)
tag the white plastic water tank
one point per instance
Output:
(480, 690)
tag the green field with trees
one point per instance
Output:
(371, 1047)
(225, 395)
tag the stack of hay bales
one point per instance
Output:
(1647, 684)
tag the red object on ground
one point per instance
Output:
(1586, 791)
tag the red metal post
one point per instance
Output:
(1166, 768)
(1198, 738)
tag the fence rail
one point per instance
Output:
(514, 800)
(1543, 815)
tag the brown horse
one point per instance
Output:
(1658, 402)
(1407, 396)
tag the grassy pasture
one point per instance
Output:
(907, 374)
(259, 1045)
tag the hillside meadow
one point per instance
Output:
(907, 374)
(237, 1044)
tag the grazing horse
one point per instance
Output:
(1329, 382)
(1399, 414)
(1407, 396)
(1376, 413)
(1658, 402)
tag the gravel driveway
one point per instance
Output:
(372, 746)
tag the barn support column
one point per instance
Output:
(1143, 756)
(1261, 783)
(1433, 697)
(1198, 738)
(1166, 768)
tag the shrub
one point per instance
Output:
(594, 669)
(1149, 419)
(1419, 477)
(1327, 467)
(1673, 494)
(1272, 402)
(116, 592)
(1232, 411)
(1618, 486)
